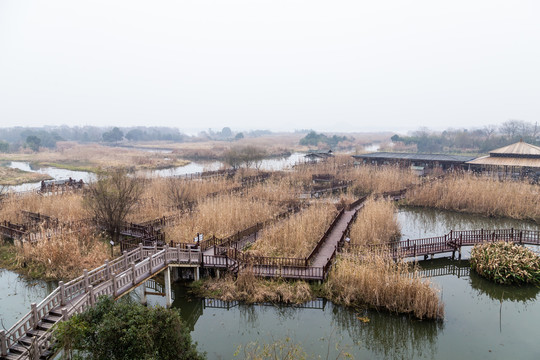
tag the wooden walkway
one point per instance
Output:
(31, 336)
(451, 242)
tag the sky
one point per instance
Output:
(279, 65)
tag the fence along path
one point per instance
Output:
(452, 242)
(31, 336)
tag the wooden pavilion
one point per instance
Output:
(518, 160)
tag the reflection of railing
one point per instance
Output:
(446, 269)
(318, 304)
(159, 288)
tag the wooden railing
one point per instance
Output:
(113, 279)
(451, 242)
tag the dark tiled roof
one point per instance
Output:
(415, 157)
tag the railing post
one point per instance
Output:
(166, 247)
(3, 343)
(150, 262)
(107, 269)
(35, 318)
(125, 259)
(141, 255)
(91, 294)
(62, 293)
(189, 254)
(113, 277)
(64, 314)
(86, 281)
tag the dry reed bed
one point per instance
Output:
(297, 235)
(506, 263)
(468, 193)
(164, 196)
(376, 223)
(251, 289)
(379, 282)
(67, 207)
(371, 179)
(221, 216)
(63, 256)
(90, 157)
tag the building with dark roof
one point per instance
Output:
(421, 163)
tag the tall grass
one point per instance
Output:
(250, 289)
(369, 179)
(481, 195)
(221, 216)
(297, 235)
(63, 256)
(67, 207)
(380, 282)
(376, 223)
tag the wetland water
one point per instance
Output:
(482, 320)
(192, 167)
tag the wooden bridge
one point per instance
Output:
(450, 243)
(31, 336)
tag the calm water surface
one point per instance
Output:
(482, 320)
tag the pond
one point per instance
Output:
(482, 320)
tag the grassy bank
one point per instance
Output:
(10, 176)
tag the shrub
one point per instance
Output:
(506, 263)
(126, 330)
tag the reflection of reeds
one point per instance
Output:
(380, 282)
(376, 223)
(390, 336)
(506, 263)
(468, 193)
(298, 235)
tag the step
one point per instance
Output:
(51, 318)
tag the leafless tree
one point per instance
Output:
(111, 198)
(178, 191)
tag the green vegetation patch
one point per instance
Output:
(125, 330)
(506, 263)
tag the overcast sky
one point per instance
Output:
(327, 65)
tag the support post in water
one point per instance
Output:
(3, 343)
(144, 300)
(168, 286)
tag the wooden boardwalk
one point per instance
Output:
(450, 243)
(31, 336)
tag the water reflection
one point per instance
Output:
(419, 223)
(523, 294)
(390, 336)
(17, 293)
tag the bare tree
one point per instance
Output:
(489, 130)
(111, 198)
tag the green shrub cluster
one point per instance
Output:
(506, 263)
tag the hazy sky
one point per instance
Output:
(328, 65)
